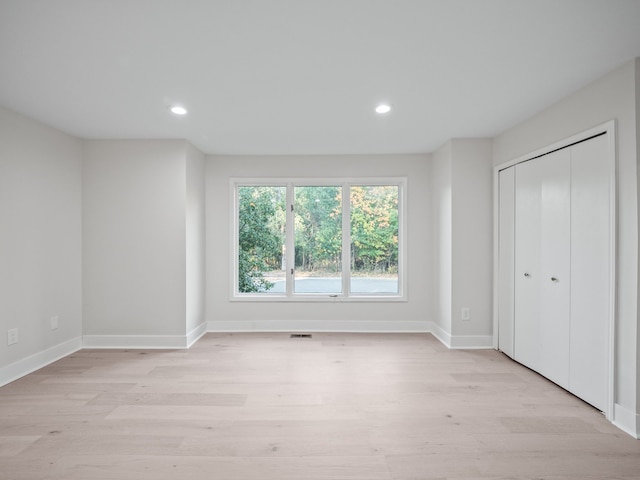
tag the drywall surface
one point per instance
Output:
(612, 97)
(460, 182)
(195, 238)
(637, 65)
(441, 231)
(472, 236)
(368, 315)
(40, 243)
(134, 245)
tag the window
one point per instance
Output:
(333, 239)
(318, 239)
(261, 238)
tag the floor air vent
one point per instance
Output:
(300, 335)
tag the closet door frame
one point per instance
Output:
(609, 130)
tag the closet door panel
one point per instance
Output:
(542, 242)
(506, 244)
(527, 260)
(555, 266)
(590, 273)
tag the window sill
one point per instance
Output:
(320, 298)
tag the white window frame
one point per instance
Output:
(346, 296)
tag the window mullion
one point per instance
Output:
(290, 241)
(346, 240)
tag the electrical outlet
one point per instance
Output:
(465, 313)
(12, 336)
(54, 322)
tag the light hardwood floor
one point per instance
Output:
(334, 407)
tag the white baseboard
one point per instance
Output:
(194, 335)
(16, 370)
(135, 341)
(440, 334)
(347, 326)
(145, 341)
(626, 420)
(461, 341)
(392, 326)
(471, 341)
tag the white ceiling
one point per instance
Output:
(303, 77)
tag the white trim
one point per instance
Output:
(496, 253)
(626, 420)
(441, 334)
(30, 364)
(346, 239)
(471, 342)
(316, 181)
(461, 342)
(317, 297)
(194, 335)
(345, 326)
(403, 244)
(613, 255)
(233, 235)
(609, 129)
(351, 326)
(290, 183)
(290, 249)
(135, 341)
(606, 128)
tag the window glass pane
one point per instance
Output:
(318, 239)
(374, 239)
(261, 239)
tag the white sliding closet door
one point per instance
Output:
(506, 258)
(590, 271)
(542, 264)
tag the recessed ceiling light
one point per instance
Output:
(383, 108)
(178, 110)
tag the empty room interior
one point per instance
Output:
(319, 239)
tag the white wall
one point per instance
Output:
(637, 145)
(134, 242)
(195, 241)
(462, 215)
(472, 239)
(40, 243)
(441, 233)
(612, 97)
(236, 315)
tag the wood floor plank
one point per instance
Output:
(209, 399)
(128, 467)
(333, 407)
(13, 445)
